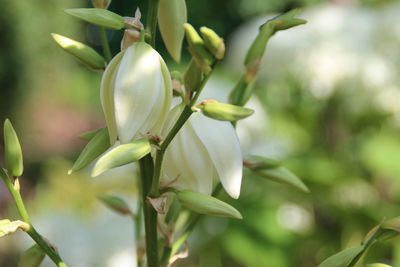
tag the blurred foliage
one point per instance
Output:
(347, 156)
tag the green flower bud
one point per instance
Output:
(261, 163)
(172, 15)
(104, 4)
(116, 204)
(197, 49)
(85, 54)
(12, 150)
(224, 112)
(32, 257)
(205, 204)
(96, 146)
(121, 155)
(97, 16)
(193, 77)
(213, 42)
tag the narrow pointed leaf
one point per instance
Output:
(172, 15)
(121, 155)
(90, 134)
(12, 150)
(85, 54)
(205, 204)
(283, 175)
(343, 258)
(115, 203)
(225, 112)
(96, 146)
(32, 257)
(261, 163)
(97, 16)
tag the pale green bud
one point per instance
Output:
(197, 49)
(85, 54)
(116, 204)
(96, 146)
(193, 77)
(213, 42)
(172, 15)
(32, 257)
(224, 112)
(121, 155)
(136, 93)
(97, 16)
(104, 4)
(205, 204)
(12, 150)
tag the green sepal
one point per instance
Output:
(213, 42)
(197, 49)
(32, 257)
(225, 112)
(98, 16)
(12, 150)
(96, 146)
(115, 203)
(121, 155)
(205, 204)
(83, 53)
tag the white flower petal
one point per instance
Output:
(223, 147)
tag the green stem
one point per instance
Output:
(151, 24)
(149, 213)
(104, 43)
(14, 190)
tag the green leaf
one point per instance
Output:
(205, 204)
(115, 203)
(97, 16)
(12, 150)
(85, 54)
(343, 258)
(283, 175)
(96, 146)
(122, 155)
(225, 112)
(32, 257)
(90, 134)
(8, 227)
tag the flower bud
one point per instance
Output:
(197, 49)
(261, 163)
(205, 204)
(172, 15)
(203, 147)
(193, 77)
(12, 150)
(224, 112)
(116, 204)
(96, 146)
(104, 4)
(32, 257)
(85, 54)
(121, 155)
(97, 16)
(136, 93)
(213, 42)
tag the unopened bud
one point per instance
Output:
(213, 42)
(172, 15)
(115, 203)
(85, 54)
(193, 77)
(97, 16)
(104, 4)
(261, 163)
(96, 146)
(121, 155)
(12, 150)
(205, 204)
(224, 112)
(197, 49)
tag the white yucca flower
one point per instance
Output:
(135, 93)
(202, 149)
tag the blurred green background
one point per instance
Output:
(327, 102)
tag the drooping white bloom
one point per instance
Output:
(135, 93)
(202, 149)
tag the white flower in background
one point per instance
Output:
(202, 149)
(135, 93)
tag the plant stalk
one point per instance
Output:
(151, 24)
(105, 44)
